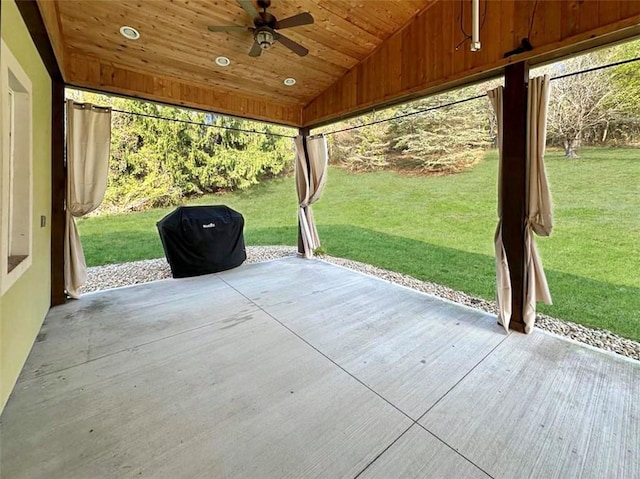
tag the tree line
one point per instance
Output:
(159, 162)
(598, 108)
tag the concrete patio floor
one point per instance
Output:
(299, 368)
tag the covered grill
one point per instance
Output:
(202, 239)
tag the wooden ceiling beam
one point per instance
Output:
(90, 73)
(202, 75)
(51, 18)
(422, 59)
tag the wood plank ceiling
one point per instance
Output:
(362, 54)
(174, 41)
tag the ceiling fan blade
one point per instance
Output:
(294, 21)
(249, 8)
(255, 51)
(226, 28)
(291, 45)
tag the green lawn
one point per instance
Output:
(441, 229)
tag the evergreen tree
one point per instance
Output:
(159, 162)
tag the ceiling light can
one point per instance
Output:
(289, 81)
(129, 32)
(223, 61)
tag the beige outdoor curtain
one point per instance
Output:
(539, 216)
(311, 174)
(88, 141)
(503, 282)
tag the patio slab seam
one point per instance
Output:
(389, 446)
(323, 354)
(454, 450)
(584, 414)
(417, 423)
(461, 379)
(414, 421)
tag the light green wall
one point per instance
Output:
(24, 306)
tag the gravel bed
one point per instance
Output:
(116, 275)
(136, 272)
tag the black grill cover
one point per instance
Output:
(202, 239)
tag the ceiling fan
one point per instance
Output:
(265, 26)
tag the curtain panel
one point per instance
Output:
(88, 143)
(539, 217)
(539, 205)
(311, 174)
(503, 281)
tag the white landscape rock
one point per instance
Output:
(116, 275)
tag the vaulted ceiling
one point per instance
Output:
(175, 41)
(361, 54)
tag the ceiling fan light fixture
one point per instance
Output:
(289, 81)
(265, 39)
(129, 33)
(223, 61)
(266, 28)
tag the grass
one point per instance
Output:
(441, 229)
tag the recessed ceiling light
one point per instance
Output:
(129, 32)
(289, 81)
(223, 61)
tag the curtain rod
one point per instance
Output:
(446, 105)
(601, 67)
(333, 132)
(243, 130)
(405, 115)
(84, 105)
(221, 127)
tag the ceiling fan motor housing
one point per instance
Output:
(264, 38)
